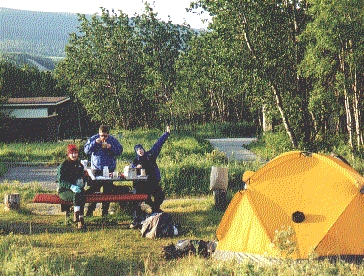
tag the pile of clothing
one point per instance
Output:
(189, 247)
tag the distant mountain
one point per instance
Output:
(36, 38)
(37, 33)
(21, 59)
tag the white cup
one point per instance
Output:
(115, 175)
(142, 172)
(84, 163)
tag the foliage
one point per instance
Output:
(300, 61)
(211, 84)
(271, 144)
(3, 169)
(267, 32)
(122, 65)
(162, 44)
(334, 61)
(285, 241)
(27, 81)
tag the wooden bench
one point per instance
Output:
(90, 198)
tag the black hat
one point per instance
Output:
(138, 146)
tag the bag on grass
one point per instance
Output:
(158, 225)
(189, 247)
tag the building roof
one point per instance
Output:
(35, 101)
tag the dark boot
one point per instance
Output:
(105, 209)
(90, 210)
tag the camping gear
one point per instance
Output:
(218, 185)
(315, 198)
(159, 225)
(188, 247)
(219, 178)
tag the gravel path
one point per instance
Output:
(44, 175)
(235, 148)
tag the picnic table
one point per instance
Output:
(53, 198)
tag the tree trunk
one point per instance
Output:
(357, 114)
(349, 122)
(12, 202)
(349, 125)
(285, 121)
(276, 93)
(266, 124)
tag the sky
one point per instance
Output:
(174, 8)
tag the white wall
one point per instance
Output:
(29, 113)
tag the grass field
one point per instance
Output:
(34, 241)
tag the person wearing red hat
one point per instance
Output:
(70, 183)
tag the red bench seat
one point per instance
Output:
(54, 198)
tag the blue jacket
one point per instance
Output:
(103, 157)
(149, 159)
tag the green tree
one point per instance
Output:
(269, 31)
(122, 69)
(163, 42)
(104, 69)
(27, 81)
(334, 60)
(211, 83)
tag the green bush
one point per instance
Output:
(271, 144)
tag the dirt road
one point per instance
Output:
(235, 148)
(45, 175)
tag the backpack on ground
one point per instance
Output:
(159, 225)
(189, 247)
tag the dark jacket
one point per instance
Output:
(68, 173)
(149, 159)
(103, 157)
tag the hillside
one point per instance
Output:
(20, 59)
(37, 33)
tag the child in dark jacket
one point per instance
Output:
(70, 183)
(148, 160)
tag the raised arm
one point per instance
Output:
(157, 147)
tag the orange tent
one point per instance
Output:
(319, 197)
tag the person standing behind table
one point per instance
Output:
(148, 160)
(103, 148)
(70, 183)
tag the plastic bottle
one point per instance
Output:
(175, 230)
(105, 172)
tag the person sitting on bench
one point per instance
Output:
(70, 183)
(148, 160)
